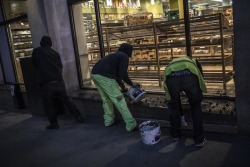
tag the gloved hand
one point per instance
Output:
(124, 90)
(135, 85)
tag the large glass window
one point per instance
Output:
(14, 8)
(15, 13)
(156, 30)
(20, 39)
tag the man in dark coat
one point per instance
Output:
(49, 71)
(107, 74)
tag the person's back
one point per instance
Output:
(49, 70)
(115, 64)
(47, 62)
(108, 66)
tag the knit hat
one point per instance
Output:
(126, 48)
(46, 41)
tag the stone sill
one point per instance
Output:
(153, 108)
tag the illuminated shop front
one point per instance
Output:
(156, 29)
(19, 37)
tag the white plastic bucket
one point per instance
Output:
(150, 132)
(136, 94)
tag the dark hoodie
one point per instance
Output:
(115, 65)
(47, 62)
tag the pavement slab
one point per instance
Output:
(25, 142)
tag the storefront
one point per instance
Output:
(15, 26)
(15, 43)
(84, 31)
(156, 29)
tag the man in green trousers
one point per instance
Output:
(105, 74)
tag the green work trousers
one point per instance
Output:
(111, 94)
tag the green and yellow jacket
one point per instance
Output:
(183, 63)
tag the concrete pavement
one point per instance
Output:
(24, 142)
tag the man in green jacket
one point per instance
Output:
(185, 74)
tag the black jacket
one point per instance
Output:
(115, 65)
(47, 62)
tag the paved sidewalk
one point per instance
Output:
(24, 142)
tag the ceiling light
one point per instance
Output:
(217, 0)
(201, 4)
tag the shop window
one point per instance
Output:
(21, 44)
(18, 32)
(14, 8)
(157, 31)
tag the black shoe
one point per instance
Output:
(136, 128)
(52, 127)
(80, 119)
(201, 144)
(175, 137)
(116, 121)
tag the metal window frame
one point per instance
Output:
(99, 29)
(4, 23)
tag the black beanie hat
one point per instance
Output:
(46, 41)
(126, 48)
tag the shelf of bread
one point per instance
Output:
(156, 44)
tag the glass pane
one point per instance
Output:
(18, 32)
(21, 44)
(212, 42)
(14, 8)
(156, 30)
(115, 18)
(85, 28)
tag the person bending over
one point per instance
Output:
(185, 74)
(107, 74)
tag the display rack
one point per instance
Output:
(21, 46)
(156, 44)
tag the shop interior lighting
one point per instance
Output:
(152, 2)
(124, 2)
(109, 2)
(217, 0)
(201, 4)
(215, 5)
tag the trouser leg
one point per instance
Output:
(62, 94)
(107, 104)
(194, 95)
(122, 107)
(173, 84)
(174, 118)
(48, 101)
(111, 89)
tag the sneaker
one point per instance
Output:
(136, 128)
(183, 122)
(175, 138)
(80, 119)
(201, 144)
(52, 127)
(116, 121)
